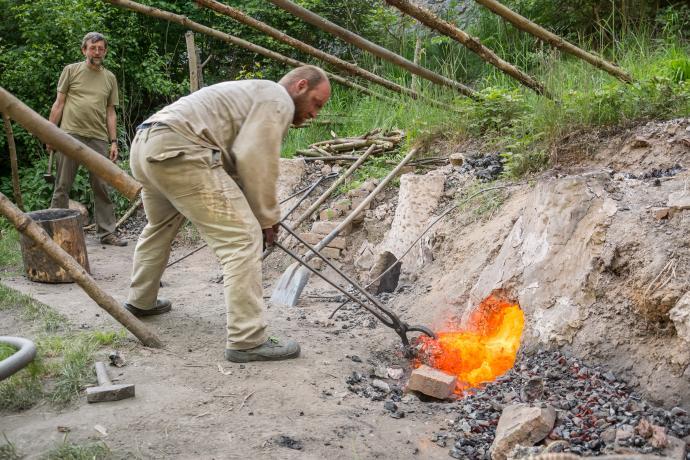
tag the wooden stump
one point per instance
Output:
(64, 227)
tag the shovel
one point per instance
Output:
(291, 284)
(48, 176)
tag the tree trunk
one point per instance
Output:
(29, 228)
(472, 43)
(193, 60)
(16, 191)
(554, 40)
(191, 25)
(348, 67)
(373, 48)
(48, 133)
(64, 228)
(417, 56)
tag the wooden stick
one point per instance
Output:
(334, 158)
(189, 24)
(429, 19)
(48, 133)
(31, 229)
(324, 196)
(348, 67)
(16, 191)
(129, 212)
(373, 48)
(554, 40)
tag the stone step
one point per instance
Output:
(338, 242)
(323, 227)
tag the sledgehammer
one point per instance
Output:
(106, 391)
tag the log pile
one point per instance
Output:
(350, 148)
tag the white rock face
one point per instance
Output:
(548, 255)
(680, 315)
(679, 200)
(418, 198)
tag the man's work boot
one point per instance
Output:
(162, 306)
(113, 240)
(273, 349)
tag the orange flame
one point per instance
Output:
(484, 349)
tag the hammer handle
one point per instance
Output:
(102, 374)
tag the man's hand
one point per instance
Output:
(270, 235)
(113, 152)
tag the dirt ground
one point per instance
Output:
(190, 403)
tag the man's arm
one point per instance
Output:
(256, 151)
(111, 123)
(56, 112)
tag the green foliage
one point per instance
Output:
(8, 451)
(10, 255)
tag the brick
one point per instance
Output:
(329, 214)
(325, 227)
(338, 242)
(330, 253)
(456, 159)
(357, 201)
(358, 193)
(343, 206)
(432, 382)
(521, 424)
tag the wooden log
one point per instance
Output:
(193, 61)
(373, 48)
(28, 227)
(48, 133)
(334, 158)
(554, 40)
(348, 67)
(16, 191)
(64, 228)
(191, 25)
(429, 19)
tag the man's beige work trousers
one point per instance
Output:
(183, 180)
(66, 172)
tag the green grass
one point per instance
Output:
(64, 361)
(71, 451)
(10, 254)
(512, 119)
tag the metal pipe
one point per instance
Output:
(25, 354)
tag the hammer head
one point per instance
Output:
(109, 392)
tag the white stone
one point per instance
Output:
(680, 315)
(679, 200)
(521, 424)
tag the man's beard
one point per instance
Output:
(95, 61)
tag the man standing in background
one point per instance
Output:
(85, 109)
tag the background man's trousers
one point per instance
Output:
(66, 172)
(183, 180)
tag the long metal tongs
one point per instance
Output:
(387, 317)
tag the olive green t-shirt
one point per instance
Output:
(88, 93)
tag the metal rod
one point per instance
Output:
(25, 354)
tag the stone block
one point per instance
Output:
(330, 253)
(676, 449)
(679, 200)
(521, 424)
(357, 193)
(432, 382)
(456, 159)
(389, 281)
(323, 227)
(661, 213)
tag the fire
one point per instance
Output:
(484, 350)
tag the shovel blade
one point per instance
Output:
(290, 285)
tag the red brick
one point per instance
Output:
(432, 382)
(325, 227)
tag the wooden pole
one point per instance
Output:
(16, 191)
(348, 67)
(28, 227)
(554, 40)
(192, 59)
(191, 25)
(129, 213)
(373, 48)
(48, 133)
(416, 59)
(429, 19)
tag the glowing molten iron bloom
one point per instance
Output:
(484, 350)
